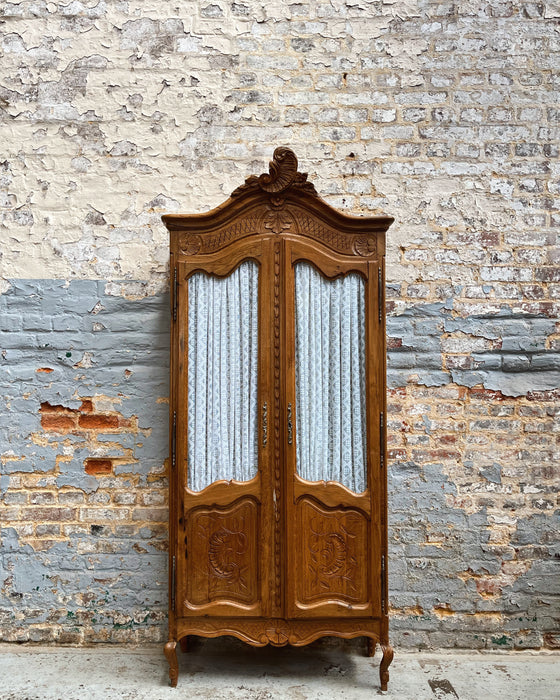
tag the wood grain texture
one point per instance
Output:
(170, 651)
(223, 556)
(332, 561)
(277, 559)
(281, 631)
(384, 666)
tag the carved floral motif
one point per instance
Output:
(277, 221)
(190, 244)
(331, 562)
(226, 554)
(332, 556)
(222, 557)
(365, 246)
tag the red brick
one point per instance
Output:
(547, 274)
(487, 239)
(488, 588)
(477, 392)
(551, 395)
(87, 406)
(46, 407)
(447, 439)
(46, 370)
(95, 466)
(58, 423)
(95, 421)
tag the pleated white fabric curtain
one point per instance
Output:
(222, 376)
(330, 378)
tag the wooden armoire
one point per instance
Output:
(278, 499)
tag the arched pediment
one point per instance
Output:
(282, 202)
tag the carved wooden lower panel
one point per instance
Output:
(222, 560)
(332, 556)
(279, 632)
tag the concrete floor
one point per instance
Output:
(225, 669)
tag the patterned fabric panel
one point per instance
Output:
(222, 376)
(330, 378)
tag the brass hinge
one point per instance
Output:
(174, 440)
(173, 583)
(380, 292)
(175, 294)
(383, 583)
(382, 440)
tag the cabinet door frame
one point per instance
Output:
(250, 500)
(330, 499)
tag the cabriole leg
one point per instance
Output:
(171, 655)
(185, 647)
(371, 644)
(385, 663)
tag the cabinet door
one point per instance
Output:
(224, 501)
(333, 401)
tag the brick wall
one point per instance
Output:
(442, 114)
(83, 426)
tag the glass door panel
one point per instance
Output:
(222, 418)
(330, 358)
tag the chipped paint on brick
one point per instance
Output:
(442, 114)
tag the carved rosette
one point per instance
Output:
(190, 243)
(278, 636)
(366, 246)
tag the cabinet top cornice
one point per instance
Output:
(282, 188)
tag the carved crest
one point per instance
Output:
(282, 174)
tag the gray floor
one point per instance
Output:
(226, 669)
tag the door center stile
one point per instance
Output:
(277, 493)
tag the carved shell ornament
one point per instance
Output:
(282, 174)
(333, 554)
(282, 171)
(225, 553)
